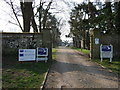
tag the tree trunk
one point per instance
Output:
(34, 25)
(28, 16)
(25, 7)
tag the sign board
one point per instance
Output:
(42, 51)
(42, 54)
(106, 51)
(106, 48)
(96, 40)
(27, 54)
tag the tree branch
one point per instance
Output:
(12, 7)
(45, 14)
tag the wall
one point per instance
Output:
(21, 40)
(114, 40)
(11, 42)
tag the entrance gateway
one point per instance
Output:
(106, 51)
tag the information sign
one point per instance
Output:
(27, 54)
(42, 54)
(96, 40)
(106, 48)
(42, 51)
(106, 51)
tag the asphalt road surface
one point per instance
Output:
(72, 69)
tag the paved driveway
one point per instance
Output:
(73, 70)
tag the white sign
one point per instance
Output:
(27, 54)
(106, 51)
(96, 40)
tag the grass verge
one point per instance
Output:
(23, 75)
(114, 65)
(53, 53)
(82, 50)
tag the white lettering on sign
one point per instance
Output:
(27, 54)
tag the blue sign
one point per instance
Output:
(106, 48)
(42, 51)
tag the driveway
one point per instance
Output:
(72, 69)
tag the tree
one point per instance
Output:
(28, 15)
(108, 14)
(25, 7)
(45, 14)
(117, 17)
(10, 3)
(105, 18)
(52, 23)
(79, 23)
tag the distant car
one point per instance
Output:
(67, 45)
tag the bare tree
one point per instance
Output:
(27, 10)
(10, 3)
(28, 16)
(45, 14)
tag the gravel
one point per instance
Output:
(74, 70)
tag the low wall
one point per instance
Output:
(114, 40)
(21, 40)
(11, 42)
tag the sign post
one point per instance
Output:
(106, 51)
(42, 54)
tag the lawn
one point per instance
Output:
(23, 75)
(85, 51)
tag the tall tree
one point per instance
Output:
(27, 10)
(45, 14)
(79, 23)
(117, 17)
(108, 13)
(10, 3)
(28, 15)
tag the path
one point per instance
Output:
(74, 70)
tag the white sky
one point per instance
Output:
(59, 5)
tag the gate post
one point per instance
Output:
(47, 42)
(95, 43)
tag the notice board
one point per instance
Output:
(27, 54)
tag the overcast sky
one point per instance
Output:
(58, 4)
